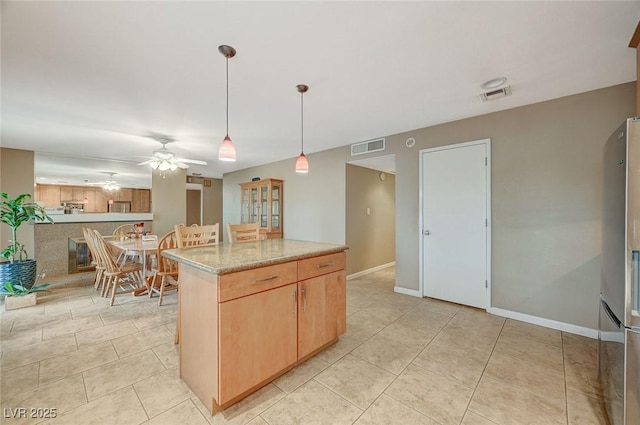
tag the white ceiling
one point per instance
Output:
(95, 79)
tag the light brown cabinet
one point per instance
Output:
(140, 200)
(97, 199)
(322, 302)
(261, 201)
(48, 194)
(257, 339)
(267, 320)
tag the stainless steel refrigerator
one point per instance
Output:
(619, 321)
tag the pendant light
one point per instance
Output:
(227, 151)
(302, 163)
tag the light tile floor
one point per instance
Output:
(403, 360)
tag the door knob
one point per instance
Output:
(426, 232)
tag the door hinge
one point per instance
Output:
(486, 284)
(485, 160)
(486, 222)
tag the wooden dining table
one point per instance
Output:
(137, 246)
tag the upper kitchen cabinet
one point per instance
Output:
(261, 202)
(49, 195)
(141, 200)
(92, 199)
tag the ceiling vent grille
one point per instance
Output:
(367, 147)
(495, 94)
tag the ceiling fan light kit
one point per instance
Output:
(165, 160)
(111, 185)
(302, 163)
(227, 151)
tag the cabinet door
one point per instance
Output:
(141, 200)
(50, 195)
(322, 311)
(264, 206)
(90, 195)
(257, 339)
(276, 208)
(101, 200)
(66, 194)
(255, 206)
(125, 194)
(244, 205)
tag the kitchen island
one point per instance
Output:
(250, 312)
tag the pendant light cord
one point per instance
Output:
(227, 96)
(302, 122)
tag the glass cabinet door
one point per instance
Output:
(254, 205)
(264, 208)
(244, 207)
(275, 206)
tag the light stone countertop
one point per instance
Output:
(97, 217)
(228, 258)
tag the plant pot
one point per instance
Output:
(20, 272)
(13, 302)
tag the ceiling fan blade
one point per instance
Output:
(181, 165)
(191, 161)
(149, 161)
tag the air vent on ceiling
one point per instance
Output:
(495, 94)
(367, 147)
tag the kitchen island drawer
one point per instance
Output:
(317, 266)
(240, 284)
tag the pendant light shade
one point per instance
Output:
(227, 151)
(302, 163)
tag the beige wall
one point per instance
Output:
(546, 199)
(313, 204)
(16, 178)
(369, 235)
(168, 200)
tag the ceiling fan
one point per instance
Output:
(163, 159)
(110, 184)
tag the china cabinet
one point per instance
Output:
(261, 201)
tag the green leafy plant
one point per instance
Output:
(15, 212)
(18, 290)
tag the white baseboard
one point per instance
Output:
(547, 323)
(371, 270)
(405, 291)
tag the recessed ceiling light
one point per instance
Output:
(492, 84)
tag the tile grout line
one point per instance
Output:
(473, 393)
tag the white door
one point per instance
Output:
(455, 212)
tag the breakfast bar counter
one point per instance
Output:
(249, 312)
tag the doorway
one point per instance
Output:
(455, 228)
(194, 204)
(370, 214)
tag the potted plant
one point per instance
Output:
(17, 296)
(17, 268)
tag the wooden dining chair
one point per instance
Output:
(193, 236)
(119, 279)
(123, 230)
(166, 274)
(99, 276)
(238, 233)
